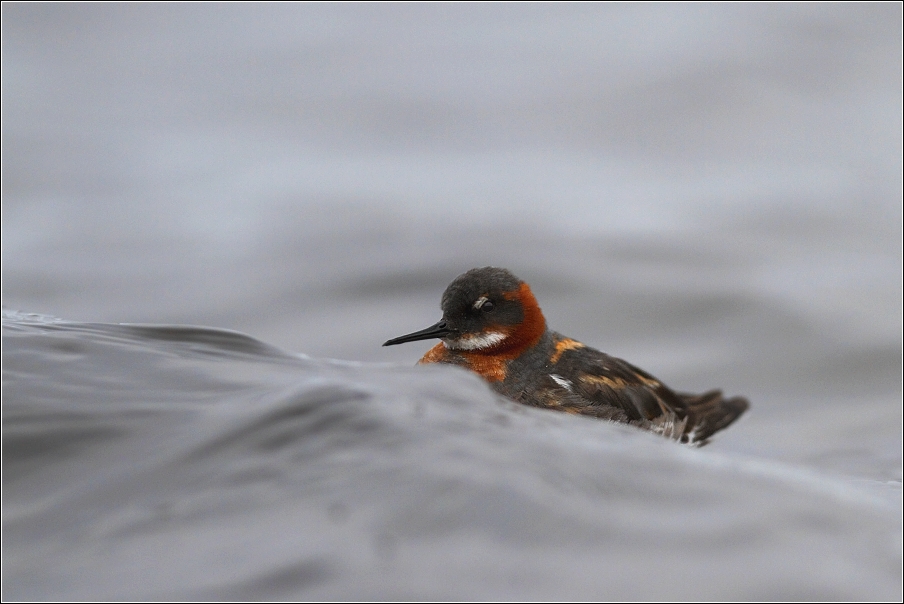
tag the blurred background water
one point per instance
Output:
(712, 192)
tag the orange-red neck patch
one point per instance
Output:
(525, 334)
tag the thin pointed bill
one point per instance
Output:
(434, 331)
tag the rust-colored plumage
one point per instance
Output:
(493, 326)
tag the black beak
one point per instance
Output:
(434, 331)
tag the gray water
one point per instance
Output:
(711, 192)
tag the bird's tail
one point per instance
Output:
(710, 412)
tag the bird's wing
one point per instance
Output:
(602, 380)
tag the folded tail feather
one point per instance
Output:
(710, 412)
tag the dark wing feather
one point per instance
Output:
(586, 381)
(606, 381)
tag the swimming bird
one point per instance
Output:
(493, 326)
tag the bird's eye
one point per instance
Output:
(487, 306)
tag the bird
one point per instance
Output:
(493, 326)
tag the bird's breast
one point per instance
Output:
(493, 368)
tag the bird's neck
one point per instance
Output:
(524, 335)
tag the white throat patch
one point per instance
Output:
(477, 342)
